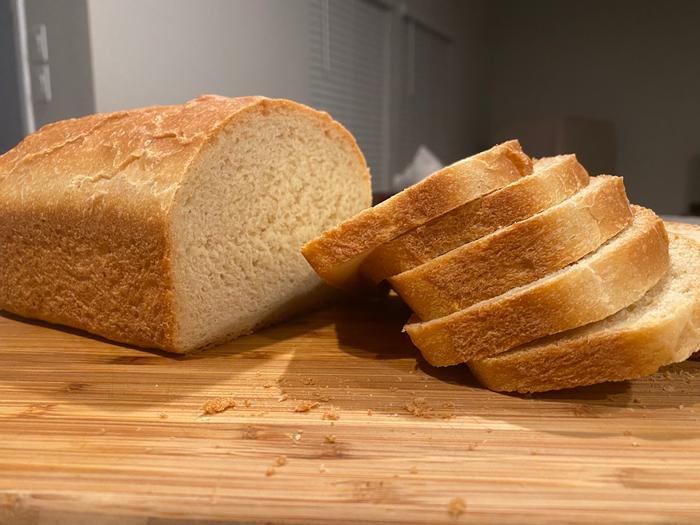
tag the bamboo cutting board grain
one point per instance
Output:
(93, 432)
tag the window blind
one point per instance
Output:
(349, 73)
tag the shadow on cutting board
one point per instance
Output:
(351, 356)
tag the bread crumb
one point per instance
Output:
(322, 468)
(419, 407)
(413, 469)
(297, 435)
(250, 433)
(220, 404)
(456, 506)
(305, 406)
(635, 444)
(267, 385)
(281, 460)
(627, 433)
(331, 414)
(270, 471)
(369, 412)
(329, 438)
(247, 403)
(283, 397)
(307, 380)
(636, 400)
(163, 415)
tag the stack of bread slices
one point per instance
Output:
(531, 272)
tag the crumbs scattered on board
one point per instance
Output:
(456, 506)
(420, 407)
(280, 461)
(305, 406)
(329, 438)
(220, 404)
(331, 414)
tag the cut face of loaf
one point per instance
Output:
(518, 254)
(337, 254)
(661, 328)
(616, 275)
(553, 179)
(174, 227)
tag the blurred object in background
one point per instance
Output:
(592, 140)
(424, 163)
(45, 65)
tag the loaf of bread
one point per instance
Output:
(616, 275)
(338, 254)
(174, 227)
(663, 327)
(517, 254)
(551, 281)
(553, 180)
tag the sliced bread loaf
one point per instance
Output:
(518, 254)
(691, 231)
(661, 328)
(553, 180)
(174, 227)
(617, 274)
(337, 254)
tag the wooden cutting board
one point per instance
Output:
(92, 432)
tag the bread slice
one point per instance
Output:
(663, 327)
(518, 254)
(174, 227)
(337, 254)
(691, 231)
(553, 180)
(616, 275)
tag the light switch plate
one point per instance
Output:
(38, 44)
(41, 83)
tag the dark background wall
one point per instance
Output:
(69, 58)
(628, 70)
(635, 64)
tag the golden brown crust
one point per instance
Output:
(595, 355)
(518, 254)
(608, 280)
(337, 254)
(608, 357)
(84, 214)
(553, 180)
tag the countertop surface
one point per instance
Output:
(335, 421)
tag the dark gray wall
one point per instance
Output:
(69, 58)
(10, 117)
(634, 63)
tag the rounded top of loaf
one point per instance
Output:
(144, 153)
